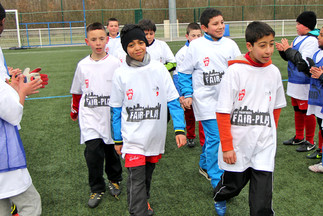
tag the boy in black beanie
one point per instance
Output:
(303, 46)
(141, 93)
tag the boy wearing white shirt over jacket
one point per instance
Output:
(251, 96)
(91, 90)
(142, 91)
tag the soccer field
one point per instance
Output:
(58, 169)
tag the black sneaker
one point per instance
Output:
(293, 141)
(95, 199)
(306, 146)
(190, 143)
(114, 188)
(203, 172)
(13, 209)
(315, 155)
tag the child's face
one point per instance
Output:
(113, 28)
(136, 49)
(150, 35)
(301, 29)
(194, 34)
(262, 50)
(215, 27)
(320, 38)
(97, 39)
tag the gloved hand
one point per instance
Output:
(34, 74)
(75, 106)
(310, 62)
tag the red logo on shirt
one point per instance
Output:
(86, 83)
(242, 93)
(156, 90)
(206, 61)
(129, 94)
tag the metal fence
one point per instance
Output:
(69, 35)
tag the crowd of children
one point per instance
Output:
(123, 96)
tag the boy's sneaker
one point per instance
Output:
(306, 146)
(318, 168)
(190, 143)
(293, 141)
(150, 210)
(114, 188)
(14, 211)
(95, 199)
(220, 207)
(203, 172)
(315, 155)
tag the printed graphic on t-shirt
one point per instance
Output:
(206, 61)
(139, 113)
(91, 100)
(244, 116)
(129, 94)
(212, 77)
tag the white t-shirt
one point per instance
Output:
(179, 57)
(93, 79)
(113, 45)
(18, 181)
(3, 69)
(250, 94)
(307, 49)
(143, 93)
(160, 51)
(207, 61)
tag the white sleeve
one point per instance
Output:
(117, 92)
(179, 57)
(228, 93)
(11, 109)
(76, 87)
(280, 94)
(169, 56)
(187, 66)
(169, 85)
(308, 47)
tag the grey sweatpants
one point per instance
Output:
(28, 203)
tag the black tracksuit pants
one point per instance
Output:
(138, 188)
(96, 151)
(260, 189)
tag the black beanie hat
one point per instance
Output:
(131, 32)
(308, 19)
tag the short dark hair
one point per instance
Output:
(112, 19)
(146, 24)
(257, 30)
(2, 12)
(192, 26)
(95, 26)
(208, 14)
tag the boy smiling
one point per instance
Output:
(251, 90)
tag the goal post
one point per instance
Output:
(10, 15)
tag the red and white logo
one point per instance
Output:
(129, 94)
(206, 61)
(242, 93)
(156, 90)
(86, 83)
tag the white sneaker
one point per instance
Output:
(318, 168)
